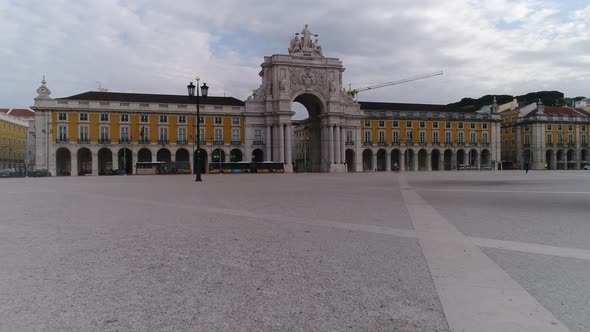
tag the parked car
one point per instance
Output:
(7, 172)
(39, 173)
(587, 167)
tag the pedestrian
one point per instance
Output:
(395, 170)
(546, 165)
(526, 168)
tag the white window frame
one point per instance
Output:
(368, 136)
(218, 120)
(218, 135)
(381, 136)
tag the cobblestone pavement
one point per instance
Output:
(305, 252)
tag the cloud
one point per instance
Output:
(484, 47)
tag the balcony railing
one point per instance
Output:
(473, 143)
(409, 143)
(163, 141)
(395, 143)
(104, 141)
(448, 144)
(382, 144)
(485, 144)
(83, 141)
(422, 143)
(124, 141)
(144, 141)
(367, 143)
(62, 140)
(437, 143)
(236, 142)
(181, 142)
(258, 142)
(218, 142)
(349, 143)
(461, 144)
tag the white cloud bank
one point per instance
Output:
(484, 47)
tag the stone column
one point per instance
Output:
(331, 144)
(387, 161)
(428, 161)
(415, 162)
(373, 161)
(342, 145)
(268, 144)
(74, 164)
(337, 142)
(281, 151)
(402, 160)
(359, 155)
(288, 145)
(94, 162)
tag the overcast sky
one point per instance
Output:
(149, 46)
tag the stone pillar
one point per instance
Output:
(337, 142)
(359, 153)
(415, 162)
(268, 144)
(373, 161)
(74, 164)
(331, 145)
(94, 162)
(134, 160)
(288, 146)
(281, 151)
(387, 161)
(428, 161)
(342, 145)
(402, 160)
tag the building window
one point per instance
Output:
(484, 125)
(548, 127)
(381, 137)
(104, 133)
(461, 138)
(395, 124)
(144, 134)
(218, 120)
(144, 118)
(163, 134)
(257, 135)
(367, 123)
(570, 138)
(84, 133)
(104, 117)
(83, 116)
(448, 125)
(583, 128)
(526, 128)
(584, 139)
(235, 120)
(163, 118)
(559, 138)
(527, 139)
(409, 137)
(408, 124)
(62, 133)
(448, 137)
(395, 137)
(422, 124)
(368, 136)
(349, 136)
(62, 116)
(513, 142)
(202, 135)
(472, 138)
(460, 125)
(125, 134)
(124, 117)
(484, 138)
(559, 127)
(472, 125)
(513, 130)
(422, 137)
(549, 139)
(181, 119)
(435, 125)
(435, 137)
(381, 123)
(202, 120)
(235, 135)
(506, 130)
(570, 127)
(182, 134)
(218, 136)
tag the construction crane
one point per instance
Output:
(354, 92)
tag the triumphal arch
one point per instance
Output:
(306, 76)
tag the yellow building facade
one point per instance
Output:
(13, 141)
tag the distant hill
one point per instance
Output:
(549, 98)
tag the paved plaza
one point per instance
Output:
(427, 251)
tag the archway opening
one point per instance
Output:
(367, 160)
(350, 160)
(460, 159)
(163, 155)
(84, 161)
(409, 159)
(435, 160)
(182, 156)
(307, 135)
(549, 158)
(422, 162)
(235, 155)
(105, 161)
(63, 162)
(472, 158)
(486, 161)
(258, 155)
(395, 159)
(448, 159)
(560, 160)
(571, 159)
(144, 156)
(381, 160)
(125, 160)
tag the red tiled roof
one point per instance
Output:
(4, 110)
(562, 111)
(21, 113)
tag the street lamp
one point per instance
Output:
(191, 93)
